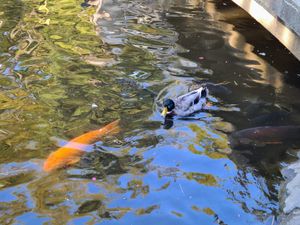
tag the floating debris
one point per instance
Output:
(94, 105)
(101, 62)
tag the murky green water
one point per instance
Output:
(67, 68)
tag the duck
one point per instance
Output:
(186, 104)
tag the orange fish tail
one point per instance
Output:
(95, 135)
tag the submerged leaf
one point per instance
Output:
(177, 213)
(208, 211)
(165, 186)
(147, 210)
(201, 178)
(89, 206)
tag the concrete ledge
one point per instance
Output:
(280, 17)
(286, 10)
(290, 194)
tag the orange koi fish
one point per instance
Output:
(71, 152)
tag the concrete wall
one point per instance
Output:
(280, 17)
(287, 10)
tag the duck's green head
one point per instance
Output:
(169, 105)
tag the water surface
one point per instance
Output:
(67, 67)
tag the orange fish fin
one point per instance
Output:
(73, 160)
(112, 127)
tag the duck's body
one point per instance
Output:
(187, 104)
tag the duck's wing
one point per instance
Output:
(186, 101)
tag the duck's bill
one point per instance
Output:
(164, 112)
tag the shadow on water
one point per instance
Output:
(72, 66)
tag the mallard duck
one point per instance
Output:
(187, 104)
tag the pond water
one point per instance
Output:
(69, 66)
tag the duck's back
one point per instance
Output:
(191, 102)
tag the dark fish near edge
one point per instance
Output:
(215, 89)
(260, 136)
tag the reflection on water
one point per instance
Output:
(72, 66)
